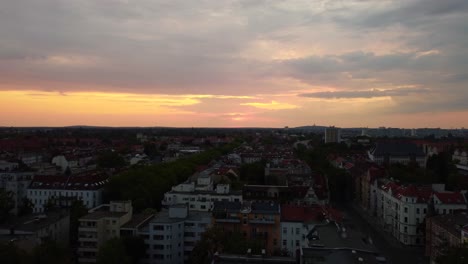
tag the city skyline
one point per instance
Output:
(234, 63)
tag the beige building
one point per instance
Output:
(101, 224)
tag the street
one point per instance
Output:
(395, 252)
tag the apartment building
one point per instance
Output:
(445, 231)
(63, 190)
(171, 235)
(16, 183)
(200, 196)
(296, 224)
(401, 209)
(99, 225)
(255, 220)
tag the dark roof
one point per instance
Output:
(138, 220)
(35, 222)
(266, 207)
(397, 149)
(453, 223)
(87, 182)
(256, 207)
(225, 206)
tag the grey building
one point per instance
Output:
(171, 235)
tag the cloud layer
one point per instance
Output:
(271, 63)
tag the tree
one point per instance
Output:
(113, 251)
(49, 252)
(135, 248)
(110, 159)
(6, 204)
(77, 210)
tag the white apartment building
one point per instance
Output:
(402, 209)
(201, 195)
(16, 183)
(99, 225)
(171, 235)
(63, 190)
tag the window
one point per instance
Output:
(158, 247)
(417, 210)
(405, 229)
(406, 209)
(298, 230)
(406, 220)
(297, 243)
(285, 230)
(425, 210)
(284, 242)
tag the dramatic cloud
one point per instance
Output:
(215, 62)
(366, 94)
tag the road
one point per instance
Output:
(395, 252)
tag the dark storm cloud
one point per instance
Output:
(367, 94)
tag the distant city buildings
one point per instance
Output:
(332, 135)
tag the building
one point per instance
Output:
(460, 156)
(16, 183)
(30, 231)
(445, 231)
(398, 152)
(254, 220)
(401, 209)
(99, 225)
(297, 222)
(332, 135)
(171, 235)
(200, 196)
(63, 190)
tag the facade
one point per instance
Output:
(99, 225)
(171, 235)
(63, 190)
(16, 183)
(255, 220)
(332, 135)
(445, 231)
(200, 196)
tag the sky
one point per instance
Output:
(234, 63)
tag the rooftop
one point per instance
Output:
(453, 223)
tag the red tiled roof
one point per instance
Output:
(294, 213)
(450, 197)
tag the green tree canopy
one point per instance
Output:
(113, 251)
